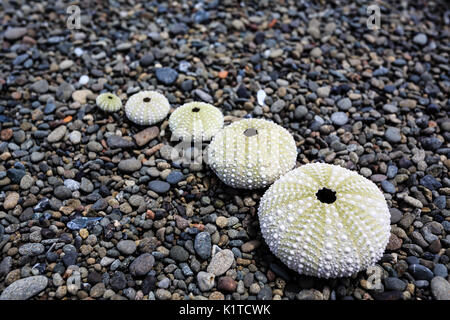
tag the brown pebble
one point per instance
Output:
(435, 246)
(6, 134)
(226, 284)
(146, 135)
(394, 242)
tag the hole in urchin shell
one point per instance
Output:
(110, 97)
(326, 195)
(250, 132)
(147, 99)
(195, 109)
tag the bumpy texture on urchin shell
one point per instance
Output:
(196, 121)
(109, 102)
(144, 112)
(325, 240)
(251, 162)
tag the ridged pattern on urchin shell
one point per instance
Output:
(196, 121)
(147, 107)
(109, 102)
(251, 162)
(325, 240)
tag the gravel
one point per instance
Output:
(96, 204)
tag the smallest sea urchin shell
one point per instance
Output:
(195, 121)
(147, 107)
(109, 102)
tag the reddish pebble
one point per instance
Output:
(6, 134)
(223, 74)
(150, 215)
(226, 284)
(270, 275)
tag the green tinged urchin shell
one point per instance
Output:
(109, 102)
(147, 107)
(251, 153)
(196, 121)
(318, 233)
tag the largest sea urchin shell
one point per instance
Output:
(326, 221)
(147, 107)
(252, 153)
(196, 121)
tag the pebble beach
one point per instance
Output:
(94, 206)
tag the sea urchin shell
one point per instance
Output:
(195, 121)
(109, 102)
(325, 221)
(147, 107)
(252, 153)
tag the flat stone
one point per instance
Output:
(31, 249)
(126, 246)
(11, 200)
(57, 134)
(94, 146)
(130, 165)
(64, 91)
(142, 265)
(118, 142)
(37, 156)
(159, 186)
(62, 192)
(420, 39)
(174, 177)
(145, 136)
(15, 33)
(440, 288)
(202, 245)
(166, 75)
(420, 272)
(277, 106)
(323, 92)
(86, 185)
(396, 215)
(221, 262)
(205, 280)
(250, 246)
(75, 137)
(392, 134)
(339, 118)
(26, 182)
(226, 284)
(179, 254)
(392, 283)
(136, 200)
(344, 104)
(25, 288)
(40, 86)
(81, 96)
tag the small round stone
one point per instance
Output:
(325, 221)
(195, 121)
(109, 102)
(252, 153)
(147, 107)
(126, 246)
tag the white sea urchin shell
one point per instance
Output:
(108, 102)
(325, 221)
(252, 153)
(147, 107)
(196, 121)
